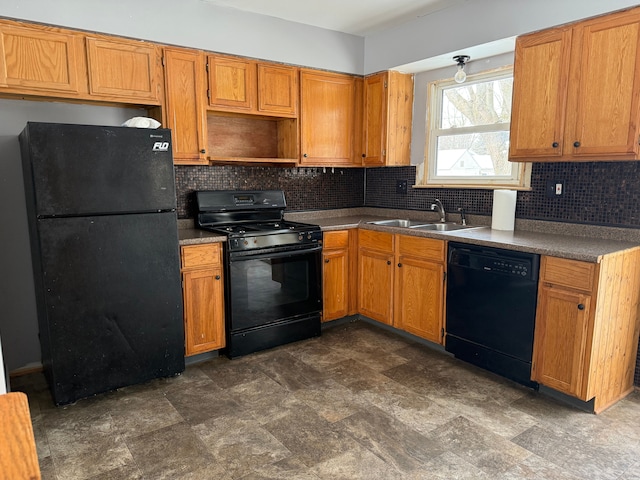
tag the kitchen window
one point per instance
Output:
(468, 134)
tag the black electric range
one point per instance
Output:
(273, 283)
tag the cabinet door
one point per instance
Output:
(232, 83)
(375, 119)
(123, 70)
(375, 285)
(186, 114)
(44, 62)
(327, 118)
(203, 292)
(335, 284)
(540, 76)
(560, 339)
(603, 98)
(278, 90)
(420, 297)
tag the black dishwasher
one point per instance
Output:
(491, 308)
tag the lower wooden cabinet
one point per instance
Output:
(420, 286)
(203, 296)
(375, 275)
(336, 275)
(586, 335)
(401, 282)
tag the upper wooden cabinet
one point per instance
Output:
(586, 334)
(278, 90)
(120, 69)
(327, 118)
(232, 83)
(185, 111)
(576, 91)
(41, 61)
(388, 112)
(53, 62)
(246, 86)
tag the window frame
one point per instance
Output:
(521, 172)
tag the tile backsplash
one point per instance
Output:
(598, 193)
(305, 188)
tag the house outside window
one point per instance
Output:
(468, 134)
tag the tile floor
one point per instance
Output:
(357, 403)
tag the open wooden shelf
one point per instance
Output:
(234, 138)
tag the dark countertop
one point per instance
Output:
(194, 236)
(576, 247)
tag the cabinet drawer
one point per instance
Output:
(335, 239)
(427, 248)
(570, 273)
(375, 240)
(200, 255)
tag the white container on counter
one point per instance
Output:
(504, 210)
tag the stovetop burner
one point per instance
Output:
(252, 220)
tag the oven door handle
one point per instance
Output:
(234, 257)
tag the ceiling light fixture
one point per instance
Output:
(460, 75)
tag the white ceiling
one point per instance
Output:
(357, 17)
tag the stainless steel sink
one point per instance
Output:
(420, 225)
(397, 222)
(441, 227)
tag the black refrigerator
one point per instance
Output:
(101, 207)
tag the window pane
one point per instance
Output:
(483, 103)
(473, 155)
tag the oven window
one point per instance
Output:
(269, 290)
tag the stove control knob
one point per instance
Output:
(308, 236)
(300, 237)
(246, 243)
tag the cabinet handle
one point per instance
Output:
(326, 260)
(217, 277)
(580, 306)
(576, 144)
(364, 155)
(305, 155)
(388, 262)
(400, 265)
(203, 151)
(555, 144)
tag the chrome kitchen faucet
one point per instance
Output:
(437, 205)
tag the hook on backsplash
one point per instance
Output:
(324, 169)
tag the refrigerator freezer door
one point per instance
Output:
(83, 169)
(113, 315)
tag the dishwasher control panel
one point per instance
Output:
(508, 266)
(495, 261)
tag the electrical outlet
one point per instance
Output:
(558, 188)
(401, 187)
(554, 188)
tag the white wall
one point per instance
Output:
(471, 23)
(18, 322)
(197, 24)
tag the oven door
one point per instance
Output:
(265, 288)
